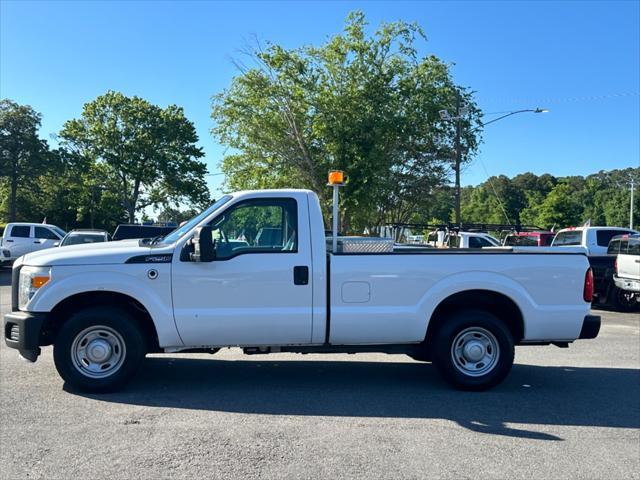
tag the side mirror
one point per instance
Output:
(56, 244)
(203, 250)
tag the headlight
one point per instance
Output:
(31, 279)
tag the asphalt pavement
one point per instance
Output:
(562, 413)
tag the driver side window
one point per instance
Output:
(256, 226)
(478, 242)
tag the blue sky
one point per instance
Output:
(581, 60)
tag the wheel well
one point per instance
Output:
(63, 311)
(498, 304)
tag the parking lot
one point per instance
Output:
(562, 413)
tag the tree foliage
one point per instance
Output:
(70, 193)
(23, 154)
(545, 201)
(367, 105)
(147, 153)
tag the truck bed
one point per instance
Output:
(390, 297)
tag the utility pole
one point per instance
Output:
(461, 111)
(458, 159)
(631, 207)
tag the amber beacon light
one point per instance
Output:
(336, 180)
(336, 177)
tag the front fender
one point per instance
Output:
(153, 294)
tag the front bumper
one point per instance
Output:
(590, 327)
(23, 330)
(627, 284)
(5, 256)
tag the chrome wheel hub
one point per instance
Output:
(98, 351)
(475, 351)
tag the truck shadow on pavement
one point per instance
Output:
(5, 276)
(534, 395)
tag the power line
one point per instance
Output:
(494, 190)
(584, 98)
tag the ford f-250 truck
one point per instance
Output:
(221, 281)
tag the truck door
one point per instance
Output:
(257, 291)
(18, 240)
(44, 238)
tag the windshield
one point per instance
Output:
(521, 241)
(179, 232)
(58, 230)
(570, 237)
(81, 238)
(493, 240)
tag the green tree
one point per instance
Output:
(364, 104)
(561, 208)
(22, 154)
(171, 214)
(498, 200)
(613, 197)
(148, 153)
(535, 189)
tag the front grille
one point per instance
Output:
(15, 278)
(14, 333)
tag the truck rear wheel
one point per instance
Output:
(99, 349)
(624, 301)
(473, 350)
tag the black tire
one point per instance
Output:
(125, 341)
(420, 357)
(624, 301)
(460, 326)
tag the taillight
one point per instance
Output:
(587, 293)
(615, 266)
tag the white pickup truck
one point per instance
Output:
(594, 240)
(21, 238)
(221, 281)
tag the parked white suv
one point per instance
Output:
(594, 239)
(627, 267)
(22, 238)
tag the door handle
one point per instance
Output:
(36, 241)
(301, 275)
(8, 241)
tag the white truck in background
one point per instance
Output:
(594, 240)
(473, 240)
(455, 239)
(627, 264)
(21, 238)
(216, 282)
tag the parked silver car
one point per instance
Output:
(82, 236)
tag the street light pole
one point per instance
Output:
(532, 110)
(460, 112)
(631, 206)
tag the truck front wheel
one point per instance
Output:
(99, 349)
(473, 350)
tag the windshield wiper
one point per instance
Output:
(152, 240)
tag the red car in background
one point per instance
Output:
(529, 239)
